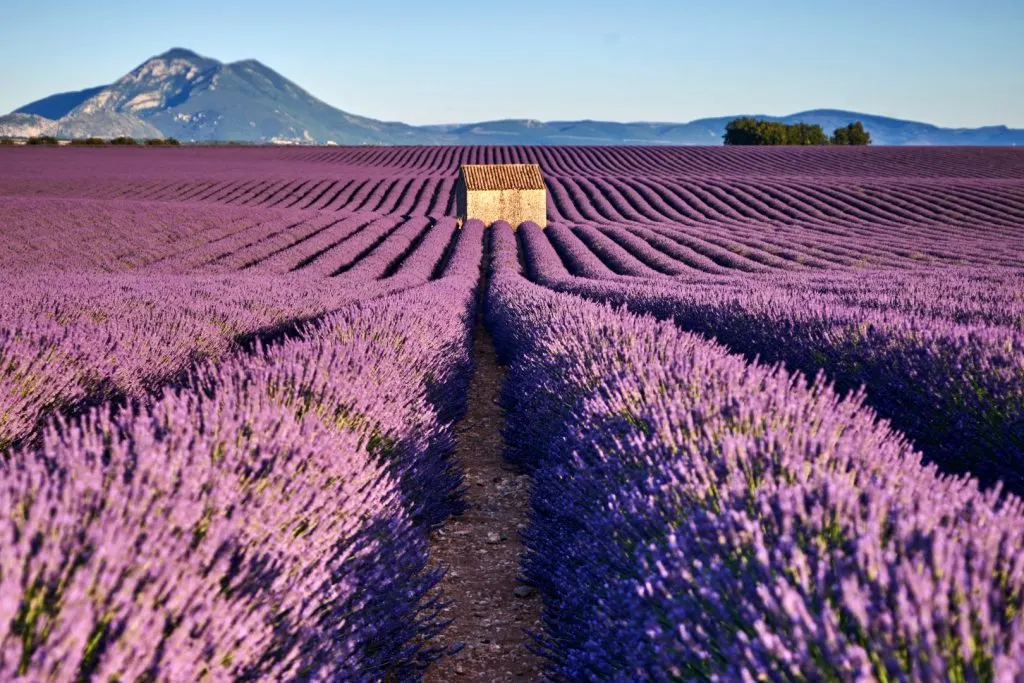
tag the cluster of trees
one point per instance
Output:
(95, 142)
(751, 131)
(120, 140)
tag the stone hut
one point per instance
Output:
(502, 192)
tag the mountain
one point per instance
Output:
(17, 125)
(248, 101)
(56, 106)
(185, 95)
(889, 131)
(190, 97)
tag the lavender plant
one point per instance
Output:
(696, 516)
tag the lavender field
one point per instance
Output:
(769, 403)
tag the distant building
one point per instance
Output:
(502, 192)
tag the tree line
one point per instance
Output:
(90, 142)
(751, 131)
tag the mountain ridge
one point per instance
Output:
(184, 95)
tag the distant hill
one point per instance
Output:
(59, 105)
(185, 95)
(190, 97)
(26, 125)
(884, 131)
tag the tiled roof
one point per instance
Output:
(502, 177)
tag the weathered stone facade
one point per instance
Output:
(502, 192)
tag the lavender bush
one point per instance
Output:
(696, 516)
(265, 517)
(941, 354)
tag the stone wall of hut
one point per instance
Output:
(514, 206)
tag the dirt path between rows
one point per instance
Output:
(491, 610)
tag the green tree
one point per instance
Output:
(750, 131)
(89, 142)
(772, 133)
(42, 140)
(852, 134)
(742, 131)
(123, 140)
(806, 134)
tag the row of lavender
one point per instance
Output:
(264, 517)
(695, 251)
(182, 166)
(803, 208)
(811, 192)
(150, 237)
(786, 201)
(72, 339)
(635, 198)
(699, 161)
(431, 195)
(940, 352)
(696, 516)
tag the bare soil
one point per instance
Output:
(488, 637)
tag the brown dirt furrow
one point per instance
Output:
(491, 611)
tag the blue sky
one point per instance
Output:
(949, 62)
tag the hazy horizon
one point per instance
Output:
(941, 62)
